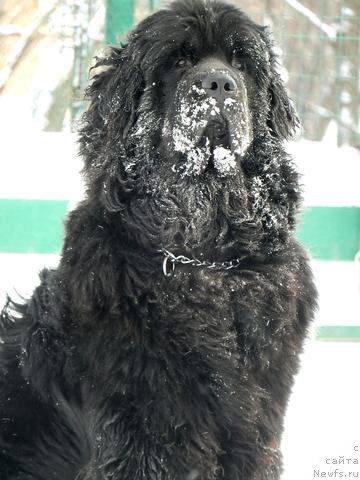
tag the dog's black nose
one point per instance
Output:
(219, 85)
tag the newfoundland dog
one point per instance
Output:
(164, 346)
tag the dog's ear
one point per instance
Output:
(114, 93)
(283, 120)
(124, 92)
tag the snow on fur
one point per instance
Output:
(194, 114)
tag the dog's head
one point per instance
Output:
(183, 136)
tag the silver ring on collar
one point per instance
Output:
(165, 271)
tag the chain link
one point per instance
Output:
(169, 256)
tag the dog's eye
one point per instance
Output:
(238, 64)
(182, 63)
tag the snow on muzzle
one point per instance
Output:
(209, 130)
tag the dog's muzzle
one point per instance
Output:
(210, 124)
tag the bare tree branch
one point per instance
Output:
(22, 43)
(329, 30)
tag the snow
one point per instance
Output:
(330, 175)
(192, 117)
(10, 29)
(48, 163)
(229, 101)
(346, 11)
(224, 161)
(141, 138)
(322, 420)
(241, 131)
(339, 292)
(19, 273)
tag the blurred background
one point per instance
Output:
(46, 47)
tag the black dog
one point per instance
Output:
(165, 344)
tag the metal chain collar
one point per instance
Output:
(170, 257)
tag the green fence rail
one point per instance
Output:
(328, 233)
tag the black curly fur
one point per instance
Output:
(113, 371)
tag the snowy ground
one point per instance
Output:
(323, 419)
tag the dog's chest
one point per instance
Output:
(193, 316)
(191, 347)
(198, 324)
(239, 316)
(197, 306)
